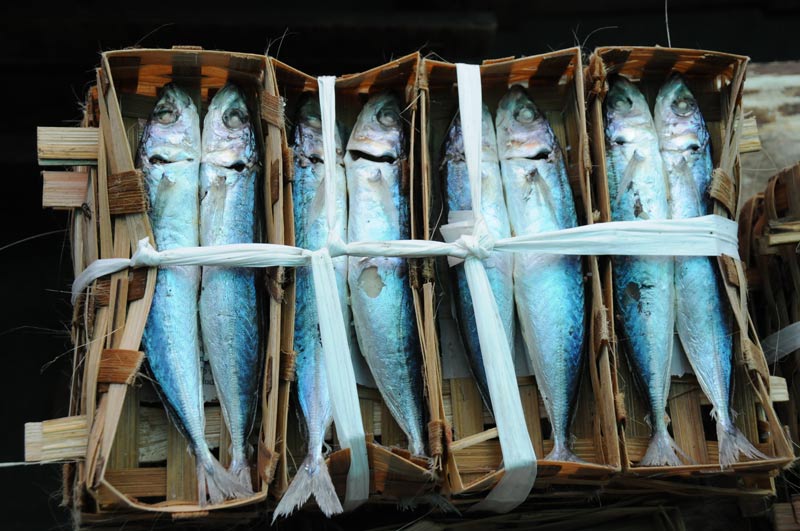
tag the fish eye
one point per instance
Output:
(684, 106)
(525, 114)
(234, 118)
(388, 117)
(165, 114)
(622, 103)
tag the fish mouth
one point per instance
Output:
(386, 158)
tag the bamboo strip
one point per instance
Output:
(55, 145)
(56, 439)
(749, 142)
(181, 476)
(64, 189)
(119, 366)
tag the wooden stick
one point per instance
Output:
(57, 439)
(66, 145)
(64, 190)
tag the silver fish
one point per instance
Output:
(311, 232)
(548, 289)
(703, 324)
(379, 291)
(170, 159)
(229, 324)
(499, 266)
(644, 286)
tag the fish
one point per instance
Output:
(229, 316)
(702, 320)
(169, 157)
(380, 295)
(644, 287)
(499, 266)
(548, 288)
(311, 232)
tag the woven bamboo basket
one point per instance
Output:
(473, 458)
(395, 474)
(716, 80)
(132, 464)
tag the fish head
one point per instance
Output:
(523, 130)
(172, 133)
(678, 120)
(228, 134)
(628, 118)
(308, 134)
(378, 132)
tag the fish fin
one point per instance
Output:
(663, 451)
(561, 452)
(241, 471)
(217, 484)
(312, 478)
(733, 444)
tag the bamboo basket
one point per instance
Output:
(394, 473)
(132, 463)
(716, 80)
(769, 226)
(473, 457)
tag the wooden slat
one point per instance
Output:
(119, 366)
(66, 145)
(778, 390)
(749, 142)
(139, 482)
(181, 475)
(64, 189)
(126, 193)
(56, 439)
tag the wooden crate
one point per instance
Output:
(394, 473)
(473, 459)
(716, 80)
(131, 461)
(769, 232)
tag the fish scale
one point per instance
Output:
(548, 289)
(228, 303)
(170, 159)
(643, 286)
(703, 324)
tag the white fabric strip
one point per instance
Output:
(783, 342)
(704, 236)
(519, 459)
(333, 330)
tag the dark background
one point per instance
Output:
(48, 55)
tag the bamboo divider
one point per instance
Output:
(716, 80)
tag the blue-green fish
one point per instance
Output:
(229, 324)
(703, 324)
(644, 287)
(548, 288)
(311, 232)
(499, 266)
(380, 294)
(170, 161)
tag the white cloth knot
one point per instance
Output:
(336, 246)
(145, 255)
(480, 248)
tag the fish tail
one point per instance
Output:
(241, 471)
(663, 451)
(562, 452)
(217, 484)
(732, 444)
(312, 478)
